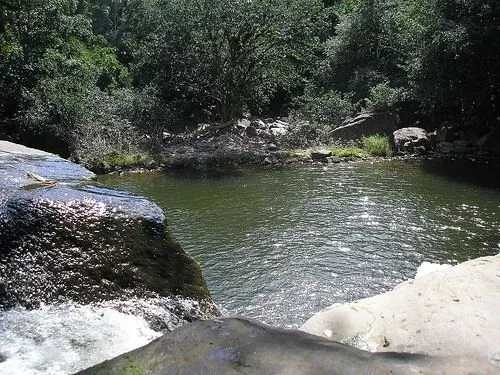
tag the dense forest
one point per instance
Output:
(74, 73)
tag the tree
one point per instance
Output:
(455, 71)
(217, 59)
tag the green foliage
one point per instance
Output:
(384, 98)
(435, 55)
(330, 108)
(217, 59)
(127, 160)
(133, 68)
(348, 152)
(376, 145)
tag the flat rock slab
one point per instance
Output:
(240, 346)
(449, 312)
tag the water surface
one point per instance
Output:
(278, 245)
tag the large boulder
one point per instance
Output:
(366, 124)
(64, 238)
(240, 346)
(411, 139)
(449, 312)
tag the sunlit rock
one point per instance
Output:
(411, 140)
(71, 240)
(451, 312)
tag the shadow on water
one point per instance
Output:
(477, 172)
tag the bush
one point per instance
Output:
(377, 145)
(330, 108)
(383, 97)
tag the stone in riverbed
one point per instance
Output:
(236, 346)
(449, 312)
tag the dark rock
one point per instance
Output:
(365, 125)
(236, 345)
(320, 154)
(74, 241)
(456, 147)
(409, 140)
(422, 150)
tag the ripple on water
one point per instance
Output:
(279, 245)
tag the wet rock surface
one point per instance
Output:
(237, 345)
(64, 239)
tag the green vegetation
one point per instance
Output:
(377, 145)
(132, 367)
(119, 73)
(127, 161)
(348, 152)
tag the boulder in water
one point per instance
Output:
(72, 240)
(411, 139)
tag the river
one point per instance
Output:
(280, 244)
(277, 245)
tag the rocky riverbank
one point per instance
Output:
(285, 141)
(450, 312)
(445, 322)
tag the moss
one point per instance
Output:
(132, 367)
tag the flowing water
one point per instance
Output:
(277, 245)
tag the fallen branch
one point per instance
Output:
(42, 180)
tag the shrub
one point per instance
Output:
(383, 97)
(330, 108)
(377, 145)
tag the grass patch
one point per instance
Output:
(127, 161)
(348, 152)
(377, 145)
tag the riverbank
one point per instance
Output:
(277, 142)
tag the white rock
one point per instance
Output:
(451, 312)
